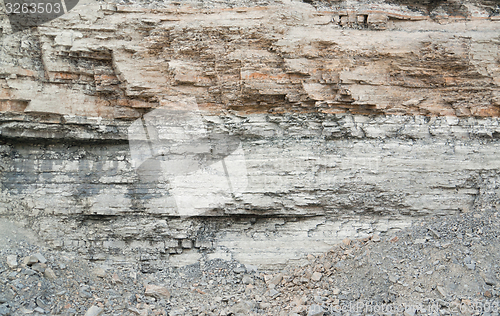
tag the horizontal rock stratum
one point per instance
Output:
(118, 61)
(260, 132)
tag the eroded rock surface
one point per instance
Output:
(351, 118)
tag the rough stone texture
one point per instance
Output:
(353, 118)
(356, 174)
(370, 57)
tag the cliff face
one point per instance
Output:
(335, 118)
(118, 61)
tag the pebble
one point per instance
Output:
(376, 237)
(12, 261)
(419, 289)
(316, 276)
(239, 270)
(40, 257)
(441, 291)
(30, 260)
(39, 310)
(157, 291)
(471, 266)
(273, 293)
(489, 280)
(244, 307)
(434, 233)
(99, 272)
(247, 280)
(94, 311)
(276, 279)
(50, 274)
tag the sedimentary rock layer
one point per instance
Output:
(119, 61)
(347, 173)
(314, 122)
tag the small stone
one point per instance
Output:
(239, 270)
(243, 307)
(134, 310)
(40, 257)
(115, 279)
(99, 272)
(419, 241)
(40, 303)
(487, 294)
(157, 291)
(394, 239)
(376, 238)
(39, 310)
(315, 310)
(273, 293)
(251, 268)
(30, 260)
(346, 242)
(177, 312)
(316, 276)
(85, 294)
(435, 233)
(247, 280)
(12, 261)
(49, 274)
(3, 299)
(335, 291)
(471, 266)
(276, 279)
(488, 279)
(94, 311)
(419, 289)
(38, 267)
(442, 291)
(187, 243)
(393, 278)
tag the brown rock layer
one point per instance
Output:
(119, 61)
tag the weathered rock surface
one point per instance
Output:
(368, 57)
(352, 118)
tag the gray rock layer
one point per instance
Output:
(310, 181)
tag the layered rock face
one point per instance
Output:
(306, 123)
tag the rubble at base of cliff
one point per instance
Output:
(438, 266)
